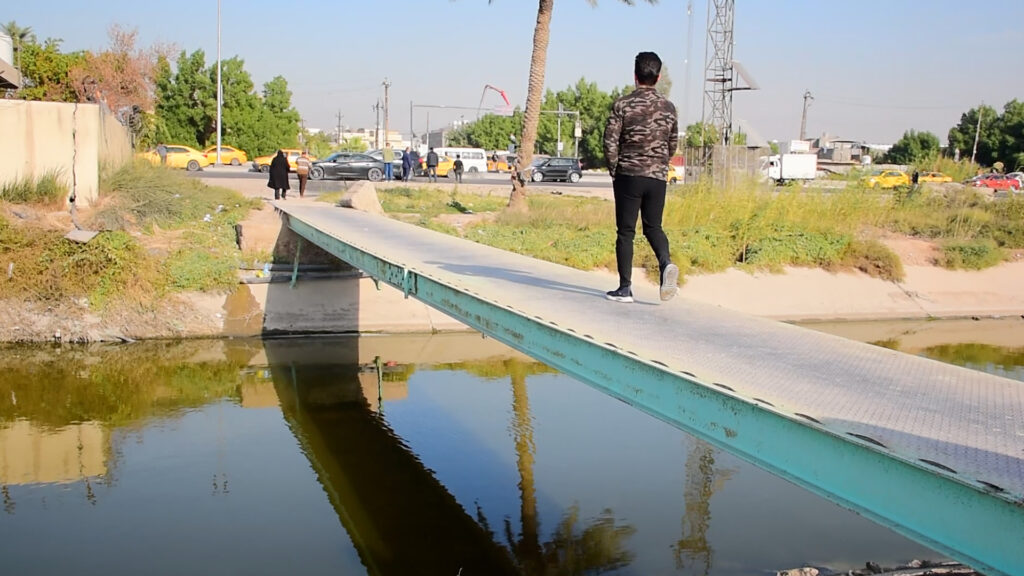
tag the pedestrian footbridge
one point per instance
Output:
(933, 451)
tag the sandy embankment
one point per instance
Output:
(814, 294)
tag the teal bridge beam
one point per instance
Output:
(980, 525)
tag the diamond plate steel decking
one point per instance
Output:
(934, 451)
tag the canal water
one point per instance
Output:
(444, 454)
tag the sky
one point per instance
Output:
(876, 68)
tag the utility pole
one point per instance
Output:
(220, 89)
(387, 125)
(341, 127)
(977, 131)
(558, 147)
(376, 127)
(686, 67)
(803, 118)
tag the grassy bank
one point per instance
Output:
(747, 227)
(161, 233)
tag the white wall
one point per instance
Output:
(75, 139)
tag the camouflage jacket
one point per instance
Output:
(641, 135)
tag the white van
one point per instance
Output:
(473, 159)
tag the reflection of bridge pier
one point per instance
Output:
(400, 518)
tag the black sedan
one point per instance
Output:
(347, 166)
(556, 169)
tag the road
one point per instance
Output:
(590, 180)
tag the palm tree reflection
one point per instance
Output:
(599, 547)
(693, 552)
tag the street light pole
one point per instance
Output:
(220, 89)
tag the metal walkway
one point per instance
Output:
(933, 451)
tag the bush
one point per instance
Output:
(874, 259)
(50, 188)
(971, 254)
(144, 195)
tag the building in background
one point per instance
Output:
(10, 77)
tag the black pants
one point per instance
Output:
(644, 196)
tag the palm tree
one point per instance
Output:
(19, 36)
(534, 95)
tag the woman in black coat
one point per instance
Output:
(279, 176)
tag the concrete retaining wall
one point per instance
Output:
(75, 139)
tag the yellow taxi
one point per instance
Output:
(887, 179)
(503, 163)
(178, 156)
(937, 177)
(675, 174)
(444, 166)
(228, 155)
(262, 163)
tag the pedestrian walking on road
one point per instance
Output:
(458, 167)
(279, 176)
(406, 164)
(432, 165)
(302, 166)
(388, 155)
(639, 139)
(161, 151)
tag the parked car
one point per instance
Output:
(396, 164)
(348, 166)
(556, 168)
(887, 179)
(444, 166)
(934, 177)
(676, 174)
(501, 163)
(228, 155)
(1019, 176)
(179, 156)
(995, 182)
(262, 163)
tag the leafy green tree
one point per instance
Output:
(280, 121)
(490, 132)
(739, 138)
(186, 100)
(46, 71)
(961, 136)
(699, 135)
(186, 106)
(1011, 145)
(242, 111)
(318, 144)
(914, 148)
(593, 105)
(354, 144)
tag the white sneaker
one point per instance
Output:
(669, 282)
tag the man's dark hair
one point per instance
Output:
(647, 68)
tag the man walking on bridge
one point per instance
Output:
(639, 139)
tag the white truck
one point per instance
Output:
(782, 168)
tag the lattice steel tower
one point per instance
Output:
(718, 69)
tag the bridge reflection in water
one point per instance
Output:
(401, 519)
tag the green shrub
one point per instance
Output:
(874, 259)
(111, 264)
(189, 269)
(970, 254)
